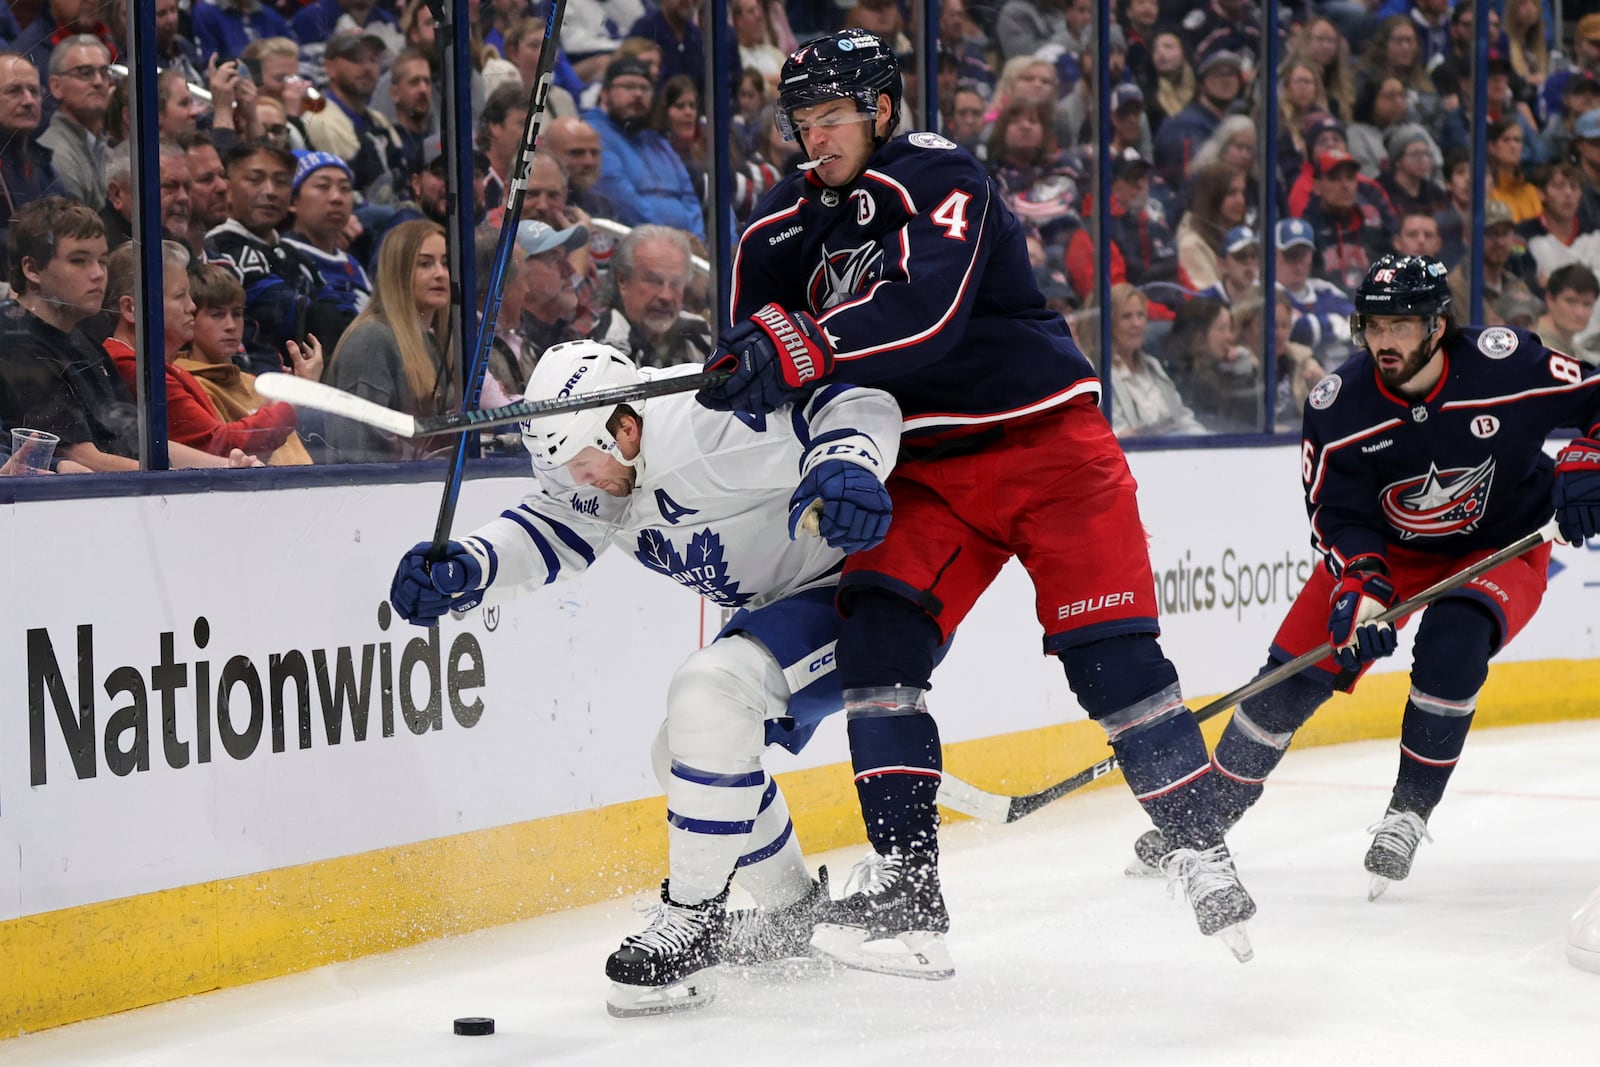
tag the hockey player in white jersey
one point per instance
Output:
(714, 502)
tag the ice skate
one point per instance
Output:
(1147, 853)
(765, 935)
(1220, 903)
(670, 966)
(1398, 834)
(891, 919)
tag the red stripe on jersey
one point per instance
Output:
(738, 249)
(905, 195)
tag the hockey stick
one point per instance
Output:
(492, 290)
(997, 807)
(304, 393)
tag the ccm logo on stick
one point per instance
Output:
(1090, 605)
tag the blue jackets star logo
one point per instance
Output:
(1439, 503)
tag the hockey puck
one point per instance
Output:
(475, 1026)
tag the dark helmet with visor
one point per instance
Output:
(1405, 286)
(851, 65)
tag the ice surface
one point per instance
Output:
(1059, 957)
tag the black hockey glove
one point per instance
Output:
(423, 593)
(1363, 594)
(1577, 492)
(855, 505)
(772, 357)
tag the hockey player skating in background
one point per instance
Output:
(1422, 455)
(711, 502)
(892, 261)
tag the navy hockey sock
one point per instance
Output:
(1131, 689)
(1454, 642)
(884, 640)
(894, 748)
(1258, 736)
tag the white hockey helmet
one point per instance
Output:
(564, 370)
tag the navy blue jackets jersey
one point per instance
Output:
(919, 274)
(1463, 469)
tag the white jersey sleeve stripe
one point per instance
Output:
(1511, 398)
(565, 532)
(552, 562)
(1333, 446)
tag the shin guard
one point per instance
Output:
(894, 748)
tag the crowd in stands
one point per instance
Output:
(303, 193)
(1373, 102)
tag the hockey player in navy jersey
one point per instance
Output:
(713, 503)
(891, 261)
(1422, 455)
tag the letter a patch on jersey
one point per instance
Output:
(671, 510)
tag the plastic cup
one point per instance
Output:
(32, 450)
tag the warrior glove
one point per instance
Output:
(1363, 593)
(855, 505)
(772, 358)
(1577, 491)
(422, 592)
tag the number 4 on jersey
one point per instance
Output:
(951, 214)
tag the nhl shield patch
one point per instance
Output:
(1325, 392)
(1497, 342)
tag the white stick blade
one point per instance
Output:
(308, 394)
(970, 800)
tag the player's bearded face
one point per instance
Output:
(1401, 347)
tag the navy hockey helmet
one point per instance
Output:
(851, 65)
(1404, 286)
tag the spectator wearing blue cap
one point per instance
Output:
(285, 298)
(639, 171)
(322, 198)
(1322, 310)
(538, 300)
(1238, 268)
(1586, 152)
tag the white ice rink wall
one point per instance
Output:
(222, 758)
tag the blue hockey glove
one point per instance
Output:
(773, 357)
(1577, 493)
(855, 505)
(422, 593)
(1363, 594)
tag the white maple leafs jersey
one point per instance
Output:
(710, 509)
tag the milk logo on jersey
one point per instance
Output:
(843, 274)
(1439, 503)
(1497, 342)
(701, 567)
(1325, 392)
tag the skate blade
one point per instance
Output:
(633, 1001)
(1376, 888)
(1587, 959)
(1238, 941)
(914, 954)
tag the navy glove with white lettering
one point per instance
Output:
(1363, 594)
(772, 358)
(1577, 492)
(855, 505)
(423, 592)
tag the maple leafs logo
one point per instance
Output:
(702, 568)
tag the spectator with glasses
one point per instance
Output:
(80, 81)
(26, 173)
(639, 171)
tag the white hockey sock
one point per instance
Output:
(710, 817)
(771, 869)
